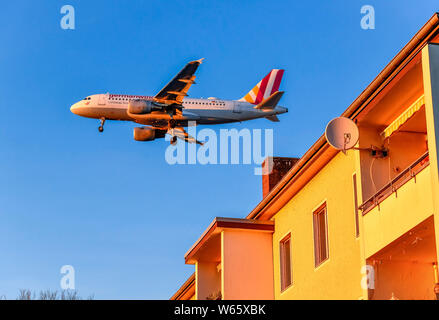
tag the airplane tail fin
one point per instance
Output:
(265, 88)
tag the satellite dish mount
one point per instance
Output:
(342, 134)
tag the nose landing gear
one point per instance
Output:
(101, 127)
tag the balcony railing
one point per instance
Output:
(409, 173)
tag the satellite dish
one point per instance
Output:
(342, 133)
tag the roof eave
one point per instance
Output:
(185, 287)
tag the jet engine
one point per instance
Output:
(144, 134)
(140, 106)
(148, 134)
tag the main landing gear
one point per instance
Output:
(171, 125)
(101, 127)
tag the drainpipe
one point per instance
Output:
(436, 281)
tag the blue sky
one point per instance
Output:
(112, 207)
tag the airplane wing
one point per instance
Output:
(177, 88)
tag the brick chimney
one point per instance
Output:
(280, 166)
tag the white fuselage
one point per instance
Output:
(201, 111)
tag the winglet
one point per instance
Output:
(200, 61)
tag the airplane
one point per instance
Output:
(170, 110)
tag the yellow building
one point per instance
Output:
(354, 225)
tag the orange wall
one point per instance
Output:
(207, 279)
(406, 280)
(246, 264)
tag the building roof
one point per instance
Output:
(187, 290)
(219, 224)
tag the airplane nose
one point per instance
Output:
(74, 108)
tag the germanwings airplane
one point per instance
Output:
(169, 111)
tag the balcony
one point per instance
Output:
(393, 186)
(398, 206)
(406, 269)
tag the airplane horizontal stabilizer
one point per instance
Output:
(181, 134)
(270, 102)
(273, 118)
